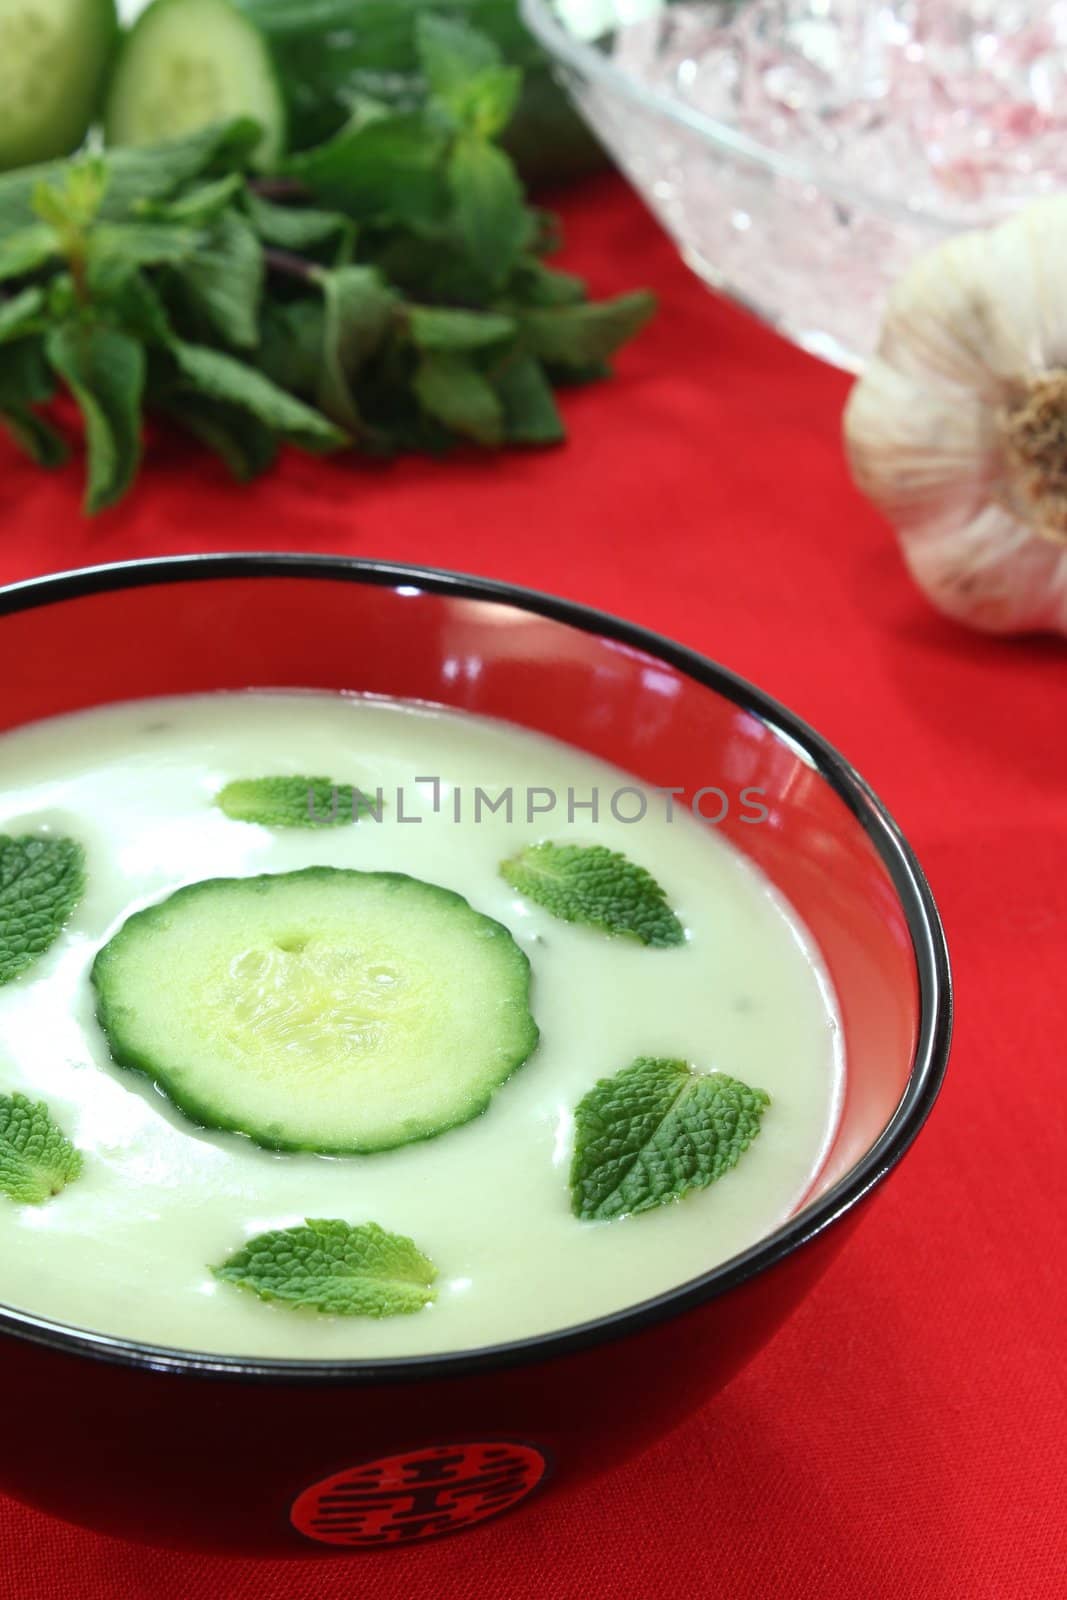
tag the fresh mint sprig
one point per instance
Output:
(385, 291)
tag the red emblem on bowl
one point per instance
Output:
(420, 1495)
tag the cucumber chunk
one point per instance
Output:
(54, 56)
(328, 1010)
(187, 64)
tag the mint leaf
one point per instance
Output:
(359, 314)
(450, 388)
(34, 436)
(21, 314)
(465, 74)
(25, 376)
(248, 447)
(199, 206)
(25, 381)
(130, 298)
(534, 284)
(342, 1269)
(72, 204)
(222, 377)
(296, 227)
(155, 172)
(41, 881)
(531, 415)
(36, 1159)
(27, 250)
(141, 244)
(432, 269)
(594, 885)
(488, 103)
(438, 328)
(488, 205)
(655, 1131)
(135, 173)
(224, 278)
(384, 170)
(450, 54)
(290, 351)
(583, 336)
(300, 16)
(105, 372)
(292, 802)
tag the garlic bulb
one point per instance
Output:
(957, 428)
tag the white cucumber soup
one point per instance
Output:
(330, 1028)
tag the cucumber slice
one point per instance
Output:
(328, 1010)
(187, 64)
(54, 56)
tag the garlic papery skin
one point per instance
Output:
(957, 428)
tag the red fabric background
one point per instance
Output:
(902, 1438)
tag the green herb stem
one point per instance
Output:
(279, 188)
(289, 265)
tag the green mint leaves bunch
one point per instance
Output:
(386, 291)
(329, 52)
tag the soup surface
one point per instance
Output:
(127, 1249)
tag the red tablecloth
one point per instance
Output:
(902, 1438)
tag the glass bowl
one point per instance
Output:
(803, 152)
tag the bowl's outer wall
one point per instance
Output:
(197, 1462)
(171, 1457)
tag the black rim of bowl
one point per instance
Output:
(924, 924)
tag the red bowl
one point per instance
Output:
(261, 1456)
